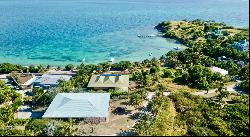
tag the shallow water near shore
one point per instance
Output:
(59, 32)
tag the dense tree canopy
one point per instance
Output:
(200, 77)
(69, 67)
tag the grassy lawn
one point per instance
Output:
(185, 30)
(174, 87)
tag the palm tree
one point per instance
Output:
(81, 80)
(40, 69)
(66, 86)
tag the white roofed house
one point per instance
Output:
(223, 72)
(48, 81)
(90, 107)
(109, 81)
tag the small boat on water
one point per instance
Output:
(150, 54)
(111, 59)
(176, 48)
(152, 35)
(83, 60)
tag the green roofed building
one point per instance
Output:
(93, 107)
(109, 81)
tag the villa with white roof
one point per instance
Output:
(109, 81)
(48, 81)
(223, 72)
(90, 107)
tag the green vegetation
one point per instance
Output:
(196, 116)
(6, 68)
(45, 127)
(200, 77)
(9, 103)
(178, 72)
(69, 67)
(122, 65)
(137, 98)
(244, 76)
(118, 94)
(41, 98)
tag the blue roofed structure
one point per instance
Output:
(242, 45)
(89, 106)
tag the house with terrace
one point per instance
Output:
(117, 82)
(89, 107)
(23, 81)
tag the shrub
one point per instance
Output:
(69, 67)
(36, 125)
(201, 131)
(154, 69)
(167, 73)
(118, 94)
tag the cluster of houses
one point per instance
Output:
(91, 107)
(240, 63)
(242, 45)
(46, 81)
(214, 34)
(86, 106)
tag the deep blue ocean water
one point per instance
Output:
(58, 32)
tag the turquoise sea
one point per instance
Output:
(58, 32)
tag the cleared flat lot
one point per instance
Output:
(116, 123)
